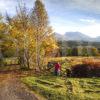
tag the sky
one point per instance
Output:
(65, 15)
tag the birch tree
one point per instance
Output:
(43, 31)
(32, 35)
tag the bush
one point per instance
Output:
(86, 70)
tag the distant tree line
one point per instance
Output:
(75, 49)
(78, 43)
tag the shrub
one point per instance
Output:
(87, 69)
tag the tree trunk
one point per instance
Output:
(38, 54)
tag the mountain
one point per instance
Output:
(97, 39)
(76, 36)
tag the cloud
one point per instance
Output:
(91, 21)
(87, 5)
(65, 15)
(8, 5)
(85, 15)
(91, 30)
(92, 6)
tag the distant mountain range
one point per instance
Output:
(75, 36)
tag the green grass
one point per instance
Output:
(9, 61)
(49, 88)
(86, 88)
(58, 88)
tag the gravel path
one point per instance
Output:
(12, 89)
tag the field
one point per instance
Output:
(62, 88)
(69, 62)
(58, 88)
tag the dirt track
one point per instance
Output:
(12, 89)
